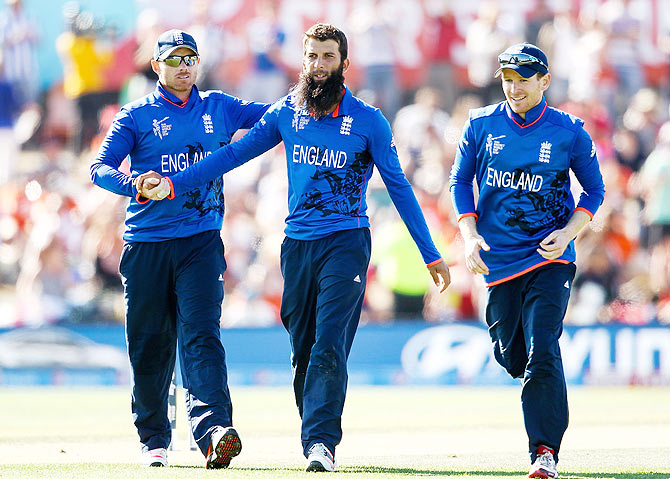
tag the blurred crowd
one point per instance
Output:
(60, 237)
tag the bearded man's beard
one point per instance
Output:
(317, 97)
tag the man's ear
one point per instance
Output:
(545, 81)
(155, 67)
(345, 65)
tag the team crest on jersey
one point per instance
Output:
(345, 128)
(545, 152)
(493, 144)
(207, 122)
(161, 127)
(300, 119)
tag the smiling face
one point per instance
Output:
(521, 93)
(177, 80)
(322, 58)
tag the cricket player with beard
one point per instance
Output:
(520, 233)
(172, 263)
(333, 140)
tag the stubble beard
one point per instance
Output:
(318, 97)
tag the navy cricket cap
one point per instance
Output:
(524, 58)
(171, 40)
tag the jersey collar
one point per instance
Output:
(345, 104)
(172, 99)
(533, 115)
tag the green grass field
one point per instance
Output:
(389, 432)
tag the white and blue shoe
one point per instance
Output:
(320, 459)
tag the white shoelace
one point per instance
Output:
(546, 459)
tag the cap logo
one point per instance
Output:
(178, 39)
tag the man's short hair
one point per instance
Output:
(325, 31)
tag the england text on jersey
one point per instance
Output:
(516, 180)
(314, 155)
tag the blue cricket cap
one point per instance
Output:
(171, 40)
(524, 58)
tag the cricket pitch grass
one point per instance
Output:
(389, 432)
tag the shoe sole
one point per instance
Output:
(316, 466)
(543, 474)
(227, 448)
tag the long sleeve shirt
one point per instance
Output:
(329, 163)
(159, 132)
(522, 175)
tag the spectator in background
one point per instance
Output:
(588, 77)
(374, 25)
(558, 36)
(399, 268)
(445, 40)
(418, 130)
(622, 49)
(487, 35)
(209, 36)
(18, 39)
(653, 185)
(8, 111)
(266, 80)
(540, 16)
(85, 59)
(643, 117)
(143, 81)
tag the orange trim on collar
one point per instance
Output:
(533, 122)
(175, 104)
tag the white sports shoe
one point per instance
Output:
(320, 459)
(544, 465)
(155, 458)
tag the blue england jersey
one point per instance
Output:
(329, 161)
(522, 169)
(160, 133)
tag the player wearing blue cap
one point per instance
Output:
(520, 233)
(333, 141)
(172, 263)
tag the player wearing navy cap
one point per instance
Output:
(172, 263)
(520, 233)
(333, 140)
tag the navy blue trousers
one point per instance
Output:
(173, 293)
(525, 319)
(324, 286)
